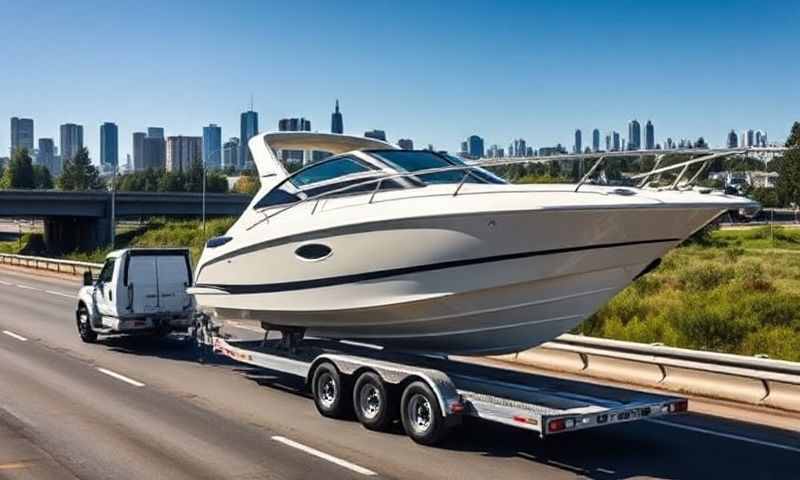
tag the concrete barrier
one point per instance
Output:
(71, 267)
(749, 380)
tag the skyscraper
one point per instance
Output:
(475, 146)
(71, 142)
(231, 153)
(294, 125)
(212, 147)
(376, 134)
(182, 152)
(750, 138)
(608, 142)
(649, 136)
(155, 132)
(733, 139)
(596, 140)
(109, 146)
(22, 134)
(154, 153)
(406, 144)
(615, 143)
(248, 129)
(138, 151)
(46, 154)
(578, 142)
(337, 123)
(634, 135)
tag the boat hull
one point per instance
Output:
(481, 283)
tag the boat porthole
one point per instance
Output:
(313, 252)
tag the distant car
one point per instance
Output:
(137, 291)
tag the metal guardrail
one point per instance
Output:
(53, 264)
(751, 380)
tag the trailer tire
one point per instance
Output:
(373, 403)
(84, 324)
(421, 414)
(331, 395)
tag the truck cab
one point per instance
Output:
(138, 290)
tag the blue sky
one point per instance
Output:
(431, 71)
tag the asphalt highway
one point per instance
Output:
(146, 408)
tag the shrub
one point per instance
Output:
(751, 275)
(777, 342)
(704, 276)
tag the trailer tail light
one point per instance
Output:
(456, 407)
(560, 424)
(680, 406)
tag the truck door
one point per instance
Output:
(142, 282)
(173, 278)
(104, 290)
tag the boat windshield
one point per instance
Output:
(416, 160)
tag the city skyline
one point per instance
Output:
(433, 96)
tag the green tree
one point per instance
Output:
(42, 178)
(19, 173)
(794, 136)
(787, 186)
(79, 173)
(194, 176)
(247, 184)
(700, 143)
(216, 182)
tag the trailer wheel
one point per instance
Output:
(84, 325)
(330, 392)
(373, 404)
(421, 414)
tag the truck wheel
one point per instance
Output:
(84, 325)
(330, 392)
(421, 414)
(373, 404)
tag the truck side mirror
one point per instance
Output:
(87, 278)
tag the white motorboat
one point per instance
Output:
(417, 250)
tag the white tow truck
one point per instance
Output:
(138, 290)
(144, 290)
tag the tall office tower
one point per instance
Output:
(154, 152)
(22, 134)
(634, 135)
(608, 142)
(595, 140)
(406, 144)
(376, 134)
(231, 153)
(733, 140)
(758, 139)
(138, 151)
(46, 154)
(615, 143)
(212, 147)
(182, 152)
(71, 142)
(248, 128)
(649, 136)
(294, 125)
(520, 147)
(578, 142)
(764, 139)
(109, 147)
(155, 132)
(464, 148)
(750, 138)
(337, 123)
(670, 143)
(475, 146)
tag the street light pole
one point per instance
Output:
(113, 229)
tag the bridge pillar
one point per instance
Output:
(69, 234)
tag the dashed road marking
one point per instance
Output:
(727, 435)
(14, 465)
(121, 377)
(53, 292)
(27, 287)
(3, 282)
(14, 335)
(330, 458)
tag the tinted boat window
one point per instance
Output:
(412, 161)
(328, 170)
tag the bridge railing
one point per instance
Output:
(72, 267)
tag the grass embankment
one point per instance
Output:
(738, 291)
(161, 233)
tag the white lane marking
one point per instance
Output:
(338, 461)
(2, 282)
(27, 287)
(14, 335)
(121, 377)
(53, 292)
(727, 435)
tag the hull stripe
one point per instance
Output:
(394, 272)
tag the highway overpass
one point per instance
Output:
(81, 220)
